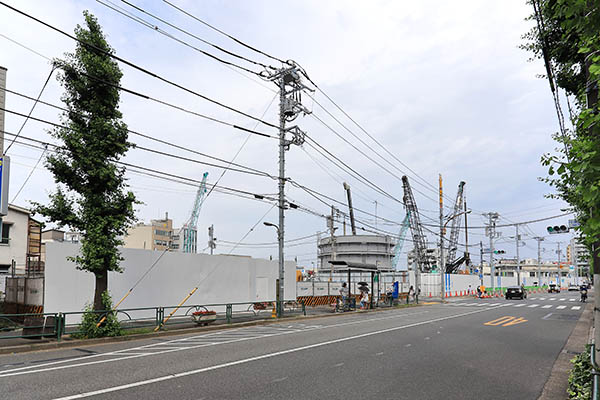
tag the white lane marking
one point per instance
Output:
(280, 379)
(427, 338)
(571, 299)
(563, 299)
(379, 354)
(262, 357)
(162, 346)
(560, 307)
(407, 345)
(519, 305)
(552, 298)
(547, 306)
(546, 316)
(533, 305)
(542, 298)
(338, 364)
(575, 308)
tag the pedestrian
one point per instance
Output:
(344, 295)
(469, 292)
(364, 300)
(479, 291)
(411, 293)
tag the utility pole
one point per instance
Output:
(3, 105)
(331, 228)
(517, 239)
(211, 239)
(481, 263)
(491, 232)
(290, 86)
(539, 262)
(558, 251)
(441, 259)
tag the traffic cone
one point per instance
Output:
(274, 312)
(430, 294)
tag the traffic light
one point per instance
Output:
(557, 229)
(499, 252)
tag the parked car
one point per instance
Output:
(515, 292)
(552, 288)
(572, 287)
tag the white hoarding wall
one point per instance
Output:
(220, 279)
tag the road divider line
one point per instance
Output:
(163, 347)
(560, 307)
(262, 357)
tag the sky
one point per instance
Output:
(442, 86)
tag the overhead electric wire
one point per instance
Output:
(197, 37)
(225, 34)
(137, 67)
(59, 64)
(136, 146)
(31, 111)
(147, 24)
(30, 173)
(369, 158)
(145, 136)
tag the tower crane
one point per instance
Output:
(415, 227)
(190, 228)
(400, 243)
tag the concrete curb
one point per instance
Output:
(556, 386)
(68, 343)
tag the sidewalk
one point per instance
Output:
(556, 386)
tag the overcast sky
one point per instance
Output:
(442, 85)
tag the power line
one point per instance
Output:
(30, 112)
(145, 136)
(30, 173)
(225, 34)
(136, 146)
(147, 24)
(137, 67)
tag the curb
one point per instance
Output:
(68, 343)
(556, 385)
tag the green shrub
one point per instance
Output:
(580, 378)
(109, 327)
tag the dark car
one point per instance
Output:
(515, 292)
(552, 288)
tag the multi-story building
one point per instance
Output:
(158, 235)
(580, 257)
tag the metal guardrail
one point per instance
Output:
(57, 325)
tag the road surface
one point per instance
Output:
(469, 349)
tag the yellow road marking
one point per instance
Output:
(507, 320)
(500, 321)
(515, 321)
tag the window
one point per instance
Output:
(5, 233)
(160, 232)
(4, 268)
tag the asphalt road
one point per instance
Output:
(470, 349)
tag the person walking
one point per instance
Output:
(411, 293)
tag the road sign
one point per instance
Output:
(573, 223)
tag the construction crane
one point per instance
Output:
(452, 263)
(415, 227)
(350, 208)
(400, 243)
(190, 228)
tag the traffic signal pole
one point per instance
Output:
(517, 237)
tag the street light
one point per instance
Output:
(279, 291)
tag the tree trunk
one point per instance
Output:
(101, 287)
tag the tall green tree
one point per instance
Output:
(567, 37)
(92, 195)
